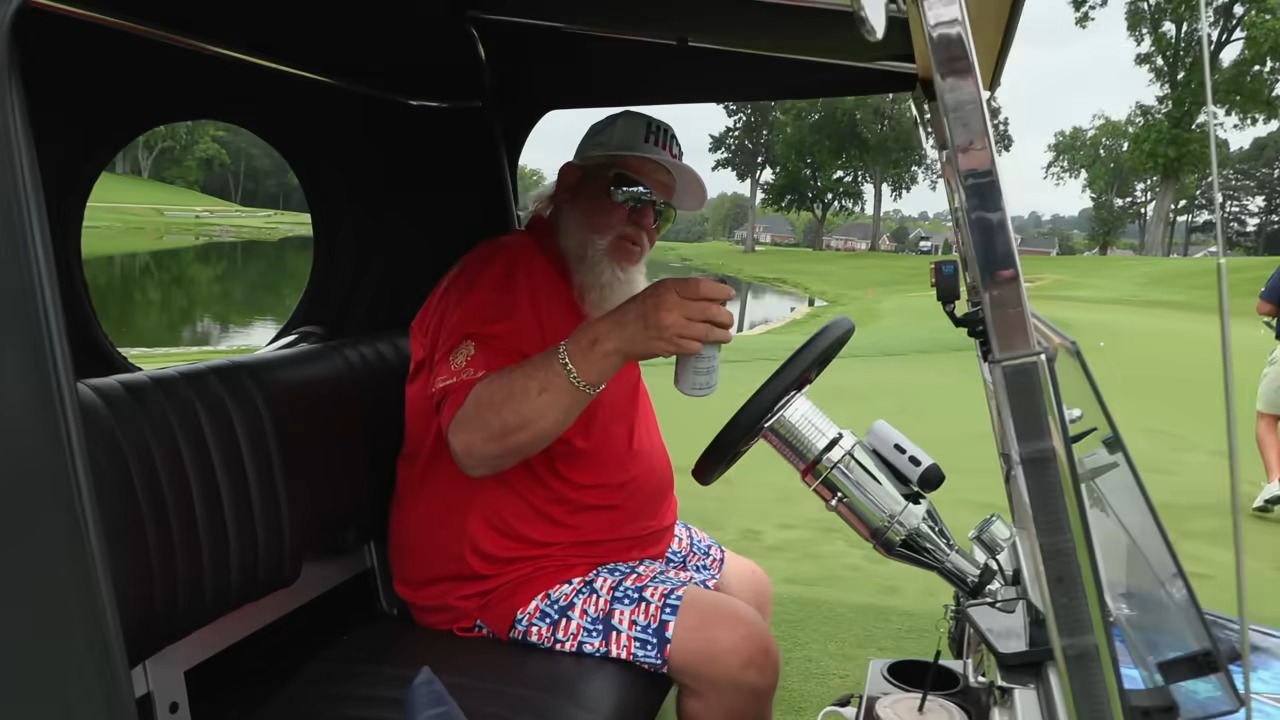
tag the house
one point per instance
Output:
(856, 237)
(1037, 245)
(850, 237)
(770, 230)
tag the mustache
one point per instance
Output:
(599, 283)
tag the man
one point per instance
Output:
(1268, 403)
(535, 500)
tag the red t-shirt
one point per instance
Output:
(464, 549)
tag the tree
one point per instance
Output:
(528, 179)
(150, 144)
(892, 156)
(1104, 158)
(1066, 240)
(1167, 35)
(186, 149)
(1084, 220)
(999, 126)
(726, 213)
(215, 158)
(1249, 182)
(746, 148)
(254, 173)
(197, 149)
(818, 161)
(689, 227)
(1257, 169)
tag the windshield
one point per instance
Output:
(1162, 641)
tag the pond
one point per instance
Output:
(212, 294)
(756, 303)
(239, 293)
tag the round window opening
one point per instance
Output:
(196, 244)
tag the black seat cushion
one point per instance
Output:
(215, 481)
(365, 675)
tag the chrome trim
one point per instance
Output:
(895, 67)
(921, 115)
(855, 484)
(1045, 506)
(1051, 700)
(224, 52)
(163, 675)
(295, 338)
(992, 535)
(486, 100)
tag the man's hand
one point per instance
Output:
(673, 316)
(516, 412)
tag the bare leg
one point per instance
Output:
(1268, 445)
(722, 659)
(743, 579)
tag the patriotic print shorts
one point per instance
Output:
(623, 610)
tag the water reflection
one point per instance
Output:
(756, 304)
(215, 294)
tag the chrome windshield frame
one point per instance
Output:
(1046, 506)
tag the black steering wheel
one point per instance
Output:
(792, 376)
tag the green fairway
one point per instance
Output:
(127, 215)
(1148, 327)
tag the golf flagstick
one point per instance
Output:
(1224, 323)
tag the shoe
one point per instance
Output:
(1268, 498)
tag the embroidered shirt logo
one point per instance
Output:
(461, 354)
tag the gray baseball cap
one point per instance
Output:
(634, 133)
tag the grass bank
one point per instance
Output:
(128, 215)
(152, 359)
(1149, 329)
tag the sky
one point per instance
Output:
(1057, 76)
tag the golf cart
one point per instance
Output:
(206, 540)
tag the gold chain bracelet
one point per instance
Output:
(562, 353)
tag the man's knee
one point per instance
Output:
(747, 581)
(722, 645)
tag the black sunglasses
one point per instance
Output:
(627, 190)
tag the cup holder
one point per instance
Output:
(911, 675)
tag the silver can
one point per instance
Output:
(697, 375)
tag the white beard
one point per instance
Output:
(599, 283)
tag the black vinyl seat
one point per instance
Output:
(234, 492)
